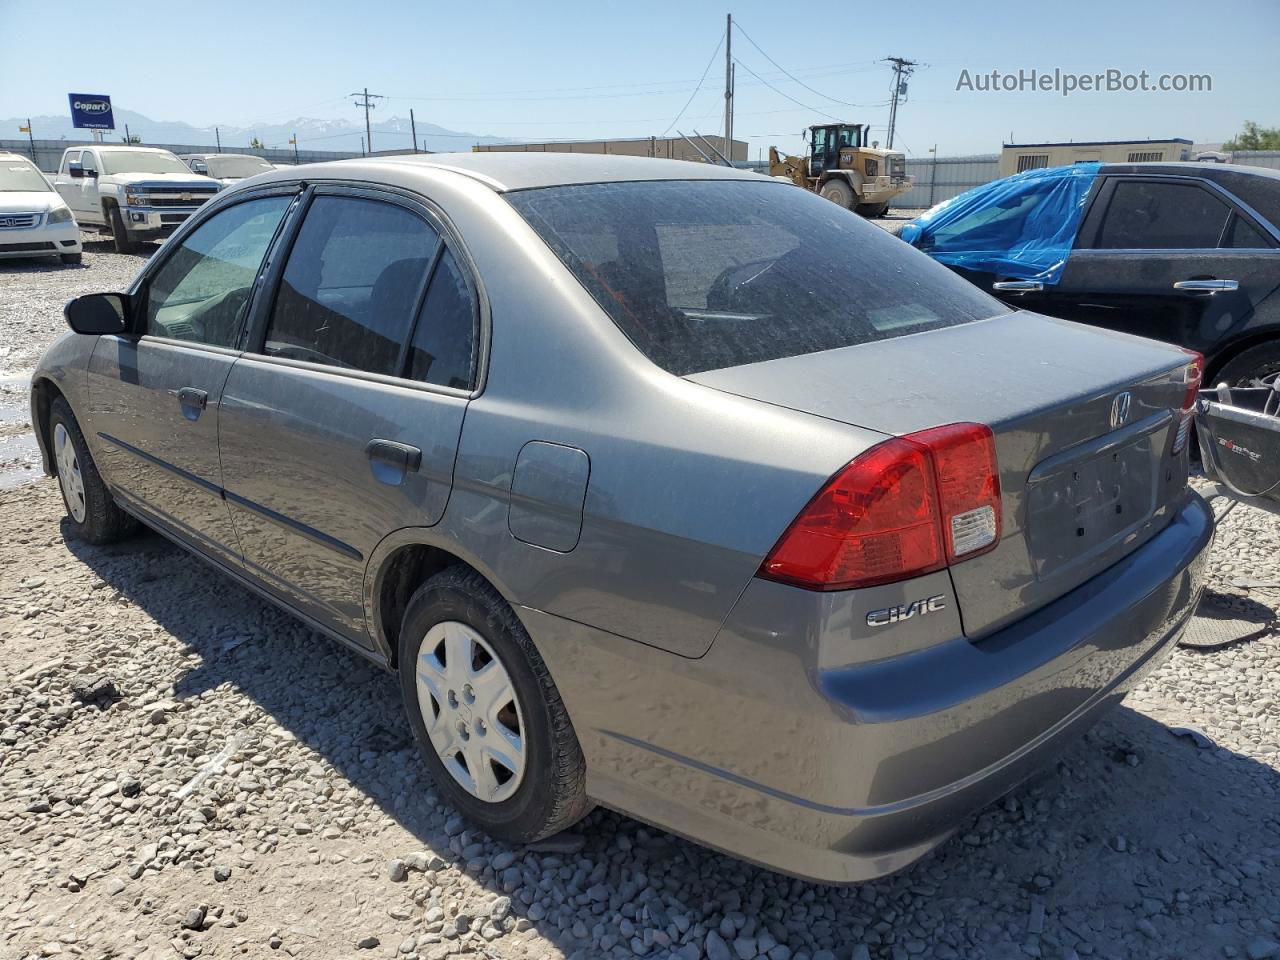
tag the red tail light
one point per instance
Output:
(1192, 374)
(908, 506)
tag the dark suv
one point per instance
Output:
(1182, 252)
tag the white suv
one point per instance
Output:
(34, 220)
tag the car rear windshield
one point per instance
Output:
(707, 274)
(19, 176)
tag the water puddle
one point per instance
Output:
(19, 460)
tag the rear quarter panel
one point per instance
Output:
(688, 489)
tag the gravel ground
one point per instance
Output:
(187, 771)
(32, 295)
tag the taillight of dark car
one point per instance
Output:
(1192, 374)
(906, 507)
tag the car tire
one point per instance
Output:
(70, 258)
(459, 727)
(837, 191)
(1255, 363)
(872, 210)
(119, 234)
(92, 513)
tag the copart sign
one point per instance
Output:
(91, 111)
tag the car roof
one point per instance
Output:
(1191, 168)
(113, 147)
(519, 170)
(210, 156)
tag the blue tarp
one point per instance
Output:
(1021, 227)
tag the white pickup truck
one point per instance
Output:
(132, 193)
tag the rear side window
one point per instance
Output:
(444, 340)
(1149, 215)
(707, 274)
(351, 285)
(1243, 234)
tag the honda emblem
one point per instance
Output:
(1120, 409)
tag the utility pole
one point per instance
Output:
(362, 150)
(728, 85)
(902, 69)
(217, 136)
(365, 101)
(30, 138)
(413, 127)
(127, 138)
(294, 141)
(933, 172)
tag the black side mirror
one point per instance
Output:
(75, 170)
(99, 313)
(91, 173)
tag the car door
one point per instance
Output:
(87, 196)
(1173, 258)
(341, 423)
(154, 395)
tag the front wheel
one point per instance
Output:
(486, 713)
(872, 210)
(119, 233)
(91, 510)
(838, 191)
(1255, 364)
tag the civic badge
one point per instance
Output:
(1120, 409)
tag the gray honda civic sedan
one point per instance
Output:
(663, 486)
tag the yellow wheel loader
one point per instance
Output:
(840, 167)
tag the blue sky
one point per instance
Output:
(611, 69)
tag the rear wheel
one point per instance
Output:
(91, 511)
(872, 209)
(486, 713)
(119, 234)
(837, 191)
(1257, 363)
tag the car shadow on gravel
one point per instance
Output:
(1131, 815)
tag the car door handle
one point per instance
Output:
(392, 462)
(192, 401)
(1207, 286)
(1018, 286)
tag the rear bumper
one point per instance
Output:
(846, 772)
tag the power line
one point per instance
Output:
(702, 79)
(798, 80)
(786, 95)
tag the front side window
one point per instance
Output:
(351, 285)
(1151, 215)
(707, 274)
(89, 162)
(201, 292)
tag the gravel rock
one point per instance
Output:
(113, 826)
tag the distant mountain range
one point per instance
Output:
(313, 134)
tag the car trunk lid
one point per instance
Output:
(1083, 481)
